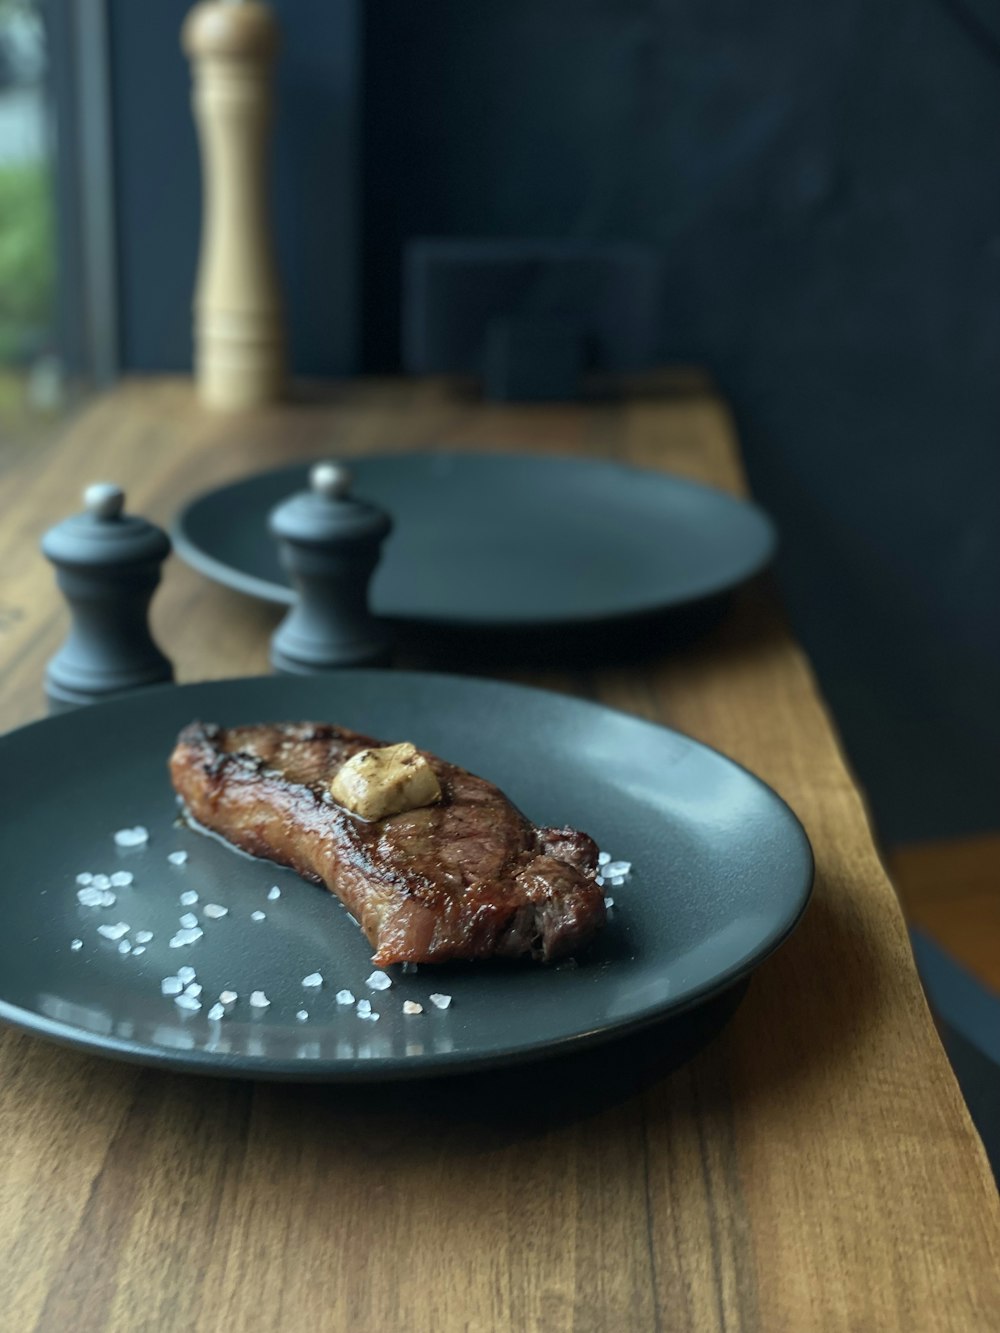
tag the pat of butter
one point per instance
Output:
(386, 781)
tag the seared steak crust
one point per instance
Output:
(468, 878)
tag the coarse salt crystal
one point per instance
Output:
(603, 858)
(143, 936)
(228, 997)
(186, 975)
(84, 878)
(171, 986)
(139, 948)
(193, 988)
(411, 1007)
(617, 881)
(124, 947)
(273, 892)
(186, 1001)
(609, 902)
(440, 1001)
(364, 1008)
(344, 997)
(113, 932)
(216, 1012)
(313, 981)
(189, 920)
(75, 945)
(302, 1015)
(186, 936)
(100, 882)
(93, 898)
(599, 881)
(378, 981)
(215, 911)
(258, 916)
(188, 898)
(132, 837)
(618, 867)
(121, 879)
(259, 1000)
(177, 858)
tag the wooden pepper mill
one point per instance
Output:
(239, 340)
(330, 545)
(108, 565)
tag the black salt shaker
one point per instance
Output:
(330, 544)
(107, 565)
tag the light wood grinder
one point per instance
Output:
(239, 338)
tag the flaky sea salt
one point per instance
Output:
(378, 981)
(259, 1000)
(132, 837)
(114, 932)
(273, 892)
(143, 936)
(617, 868)
(121, 879)
(186, 1001)
(76, 945)
(95, 898)
(440, 1001)
(186, 936)
(313, 981)
(216, 1012)
(171, 986)
(228, 997)
(411, 1007)
(189, 920)
(302, 1015)
(186, 975)
(214, 911)
(258, 916)
(177, 858)
(188, 898)
(344, 997)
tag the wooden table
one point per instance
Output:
(814, 1167)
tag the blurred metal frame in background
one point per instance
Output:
(79, 78)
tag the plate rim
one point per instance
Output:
(275, 594)
(395, 1068)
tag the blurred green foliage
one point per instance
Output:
(26, 258)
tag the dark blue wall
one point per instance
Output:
(822, 181)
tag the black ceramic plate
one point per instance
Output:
(721, 872)
(503, 540)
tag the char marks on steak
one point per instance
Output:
(469, 877)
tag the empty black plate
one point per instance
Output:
(503, 541)
(721, 872)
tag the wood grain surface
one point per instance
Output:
(814, 1167)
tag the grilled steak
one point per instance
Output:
(469, 877)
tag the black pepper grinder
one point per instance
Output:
(330, 544)
(107, 565)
